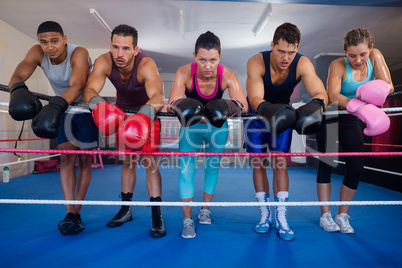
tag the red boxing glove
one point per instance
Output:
(108, 117)
(134, 132)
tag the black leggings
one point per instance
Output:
(347, 130)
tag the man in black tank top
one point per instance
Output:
(271, 79)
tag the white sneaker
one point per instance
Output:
(266, 219)
(188, 228)
(343, 221)
(205, 216)
(328, 224)
(282, 228)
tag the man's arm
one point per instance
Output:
(27, 66)
(311, 81)
(80, 69)
(97, 78)
(254, 82)
(381, 70)
(234, 88)
(153, 83)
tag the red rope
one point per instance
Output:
(385, 145)
(91, 152)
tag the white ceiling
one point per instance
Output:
(157, 21)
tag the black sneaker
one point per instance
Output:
(157, 227)
(70, 225)
(78, 216)
(124, 215)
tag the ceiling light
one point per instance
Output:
(181, 23)
(100, 19)
(263, 20)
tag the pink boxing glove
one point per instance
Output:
(374, 92)
(376, 120)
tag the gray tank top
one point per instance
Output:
(59, 75)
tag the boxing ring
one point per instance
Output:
(31, 206)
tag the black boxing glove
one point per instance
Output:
(279, 116)
(188, 111)
(46, 123)
(219, 110)
(309, 117)
(23, 104)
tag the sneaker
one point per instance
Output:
(265, 222)
(188, 228)
(204, 216)
(282, 227)
(157, 227)
(343, 221)
(78, 216)
(328, 224)
(124, 215)
(70, 225)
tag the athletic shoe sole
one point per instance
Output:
(69, 228)
(113, 224)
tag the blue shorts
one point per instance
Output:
(80, 129)
(257, 137)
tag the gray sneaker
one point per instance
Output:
(188, 228)
(204, 216)
(328, 224)
(343, 221)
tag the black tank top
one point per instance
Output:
(130, 95)
(195, 91)
(282, 92)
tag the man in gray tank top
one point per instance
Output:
(67, 68)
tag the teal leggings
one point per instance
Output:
(191, 140)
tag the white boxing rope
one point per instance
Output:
(29, 160)
(76, 109)
(195, 204)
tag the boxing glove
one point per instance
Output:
(278, 117)
(46, 123)
(219, 110)
(374, 92)
(107, 116)
(187, 110)
(309, 117)
(23, 104)
(135, 131)
(376, 120)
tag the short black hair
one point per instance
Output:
(208, 41)
(126, 30)
(287, 32)
(50, 26)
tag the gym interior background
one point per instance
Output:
(167, 33)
